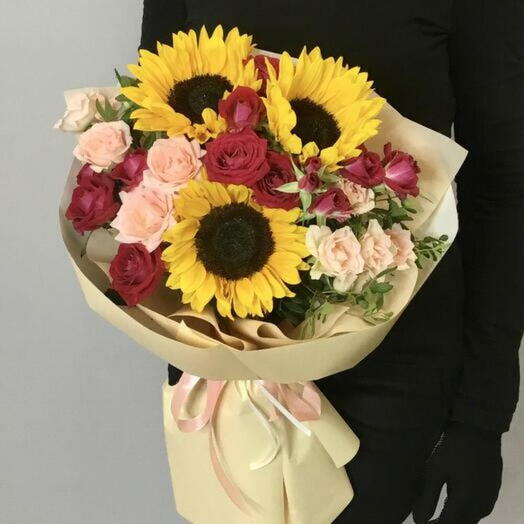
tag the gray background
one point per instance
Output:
(80, 416)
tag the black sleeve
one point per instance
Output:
(160, 20)
(487, 66)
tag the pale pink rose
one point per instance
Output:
(104, 145)
(172, 163)
(81, 108)
(337, 255)
(377, 248)
(143, 217)
(362, 199)
(403, 245)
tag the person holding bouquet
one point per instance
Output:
(431, 403)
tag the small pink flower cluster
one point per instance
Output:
(340, 254)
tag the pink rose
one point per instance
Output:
(93, 203)
(144, 216)
(366, 170)
(242, 108)
(131, 171)
(172, 163)
(104, 145)
(338, 255)
(403, 246)
(362, 199)
(377, 248)
(266, 189)
(260, 64)
(136, 273)
(401, 172)
(333, 204)
(237, 158)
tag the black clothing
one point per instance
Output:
(432, 61)
(473, 484)
(454, 352)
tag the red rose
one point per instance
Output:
(93, 202)
(333, 204)
(280, 173)
(260, 64)
(365, 170)
(242, 108)
(401, 172)
(237, 158)
(85, 174)
(131, 171)
(136, 273)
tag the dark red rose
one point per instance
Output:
(237, 158)
(260, 64)
(242, 108)
(280, 173)
(93, 202)
(131, 171)
(85, 174)
(333, 204)
(366, 170)
(401, 172)
(136, 273)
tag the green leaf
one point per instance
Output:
(381, 287)
(126, 81)
(291, 187)
(305, 199)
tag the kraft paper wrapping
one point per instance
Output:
(306, 482)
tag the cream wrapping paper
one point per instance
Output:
(306, 481)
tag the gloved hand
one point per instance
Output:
(468, 460)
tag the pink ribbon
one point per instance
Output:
(302, 406)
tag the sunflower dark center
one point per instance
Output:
(314, 123)
(190, 97)
(234, 241)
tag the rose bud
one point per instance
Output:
(93, 202)
(266, 189)
(237, 158)
(333, 204)
(313, 165)
(260, 64)
(131, 171)
(242, 108)
(401, 172)
(365, 170)
(136, 273)
(309, 182)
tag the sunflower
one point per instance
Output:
(180, 86)
(225, 246)
(319, 106)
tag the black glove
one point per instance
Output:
(468, 460)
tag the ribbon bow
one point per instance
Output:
(284, 399)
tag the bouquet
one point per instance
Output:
(260, 222)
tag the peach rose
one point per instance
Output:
(337, 253)
(403, 246)
(81, 108)
(143, 217)
(377, 248)
(362, 199)
(172, 163)
(104, 145)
